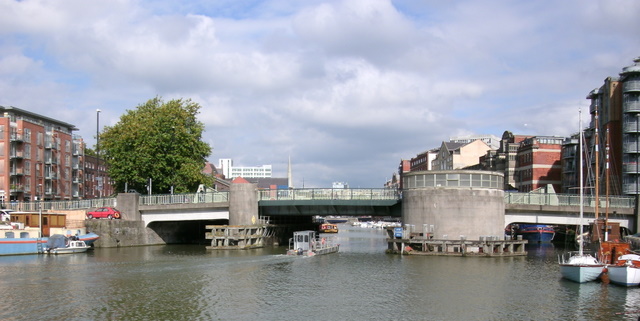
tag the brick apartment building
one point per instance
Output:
(40, 158)
(538, 163)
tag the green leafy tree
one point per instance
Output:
(158, 140)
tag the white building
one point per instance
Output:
(231, 172)
(491, 140)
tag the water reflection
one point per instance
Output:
(187, 282)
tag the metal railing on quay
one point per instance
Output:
(165, 199)
(568, 200)
(62, 205)
(328, 194)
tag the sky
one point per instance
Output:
(345, 89)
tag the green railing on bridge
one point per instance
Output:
(328, 194)
(165, 199)
(316, 194)
(568, 200)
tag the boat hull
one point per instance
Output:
(581, 273)
(20, 246)
(624, 275)
(536, 233)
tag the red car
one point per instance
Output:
(104, 212)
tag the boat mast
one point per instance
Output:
(606, 156)
(597, 172)
(581, 186)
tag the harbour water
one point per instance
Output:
(187, 282)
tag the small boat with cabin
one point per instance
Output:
(60, 244)
(306, 243)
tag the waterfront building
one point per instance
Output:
(230, 172)
(41, 159)
(491, 140)
(571, 165)
(97, 182)
(422, 161)
(340, 185)
(615, 109)
(504, 158)
(538, 163)
(459, 155)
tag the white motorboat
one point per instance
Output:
(72, 247)
(626, 271)
(306, 243)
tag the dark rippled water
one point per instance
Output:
(359, 283)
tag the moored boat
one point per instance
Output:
(24, 235)
(306, 243)
(535, 233)
(626, 271)
(328, 228)
(580, 266)
(60, 244)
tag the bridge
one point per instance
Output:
(214, 206)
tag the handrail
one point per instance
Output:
(303, 194)
(328, 194)
(567, 200)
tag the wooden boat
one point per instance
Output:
(328, 228)
(579, 266)
(306, 243)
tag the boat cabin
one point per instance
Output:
(32, 219)
(303, 240)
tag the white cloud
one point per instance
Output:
(346, 88)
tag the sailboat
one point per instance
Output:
(579, 266)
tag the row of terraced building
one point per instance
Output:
(611, 148)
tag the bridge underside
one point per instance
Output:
(330, 207)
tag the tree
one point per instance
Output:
(159, 140)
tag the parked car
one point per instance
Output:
(104, 212)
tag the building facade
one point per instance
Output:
(41, 159)
(615, 130)
(230, 172)
(459, 155)
(538, 163)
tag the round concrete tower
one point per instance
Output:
(454, 204)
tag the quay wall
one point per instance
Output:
(116, 233)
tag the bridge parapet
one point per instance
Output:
(192, 198)
(515, 198)
(328, 194)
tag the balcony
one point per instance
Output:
(16, 138)
(16, 172)
(50, 176)
(16, 155)
(15, 189)
(631, 168)
(631, 86)
(630, 148)
(631, 125)
(631, 105)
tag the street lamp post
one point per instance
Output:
(98, 152)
